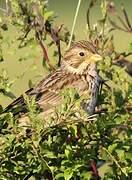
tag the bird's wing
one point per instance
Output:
(41, 89)
(18, 105)
(46, 93)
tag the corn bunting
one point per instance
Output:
(78, 70)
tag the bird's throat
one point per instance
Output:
(83, 68)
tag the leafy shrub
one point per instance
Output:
(69, 145)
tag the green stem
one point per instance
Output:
(74, 22)
(114, 160)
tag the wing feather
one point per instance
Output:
(47, 91)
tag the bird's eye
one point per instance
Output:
(81, 54)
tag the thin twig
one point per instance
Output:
(114, 160)
(74, 22)
(54, 34)
(126, 24)
(7, 7)
(117, 27)
(58, 46)
(126, 18)
(122, 22)
(45, 54)
(3, 10)
(126, 54)
(24, 37)
(59, 52)
(91, 4)
(88, 21)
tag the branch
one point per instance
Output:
(45, 54)
(24, 37)
(114, 160)
(126, 18)
(54, 34)
(116, 26)
(122, 22)
(3, 10)
(126, 25)
(91, 4)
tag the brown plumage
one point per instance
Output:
(78, 70)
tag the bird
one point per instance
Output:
(78, 70)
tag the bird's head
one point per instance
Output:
(80, 57)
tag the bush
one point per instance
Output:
(69, 145)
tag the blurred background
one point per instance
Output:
(20, 72)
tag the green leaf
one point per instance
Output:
(59, 176)
(130, 47)
(68, 152)
(86, 176)
(10, 137)
(112, 147)
(30, 83)
(68, 173)
(50, 154)
(121, 154)
(73, 129)
(48, 14)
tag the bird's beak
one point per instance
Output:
(95, 57)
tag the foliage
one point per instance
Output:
(69, 145)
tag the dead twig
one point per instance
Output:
(91, 4)
(126, 18)
(123, 23)
(45, 54)
(126, 25)
(55, 36)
